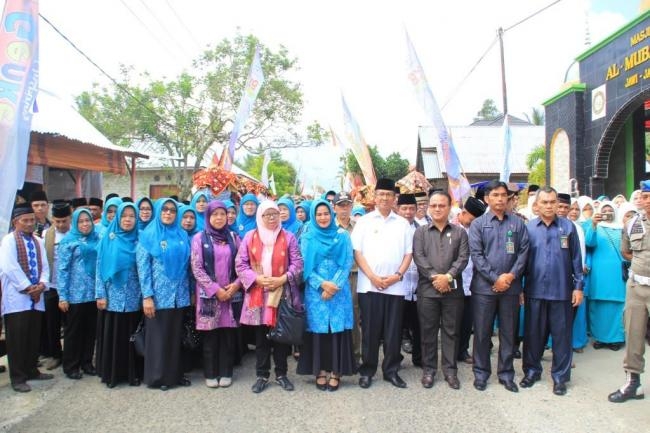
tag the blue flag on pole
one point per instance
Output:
(18, 87)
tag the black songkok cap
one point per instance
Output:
(406, 199)
(532, 188)
(128, 200)
(474, 206)
(21, 209)
(79, 202)
(94, 201)
(563, 197)
(61, 210)
(110, 196)
(385, 184)
(38, 196)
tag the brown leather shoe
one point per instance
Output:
(427, 380)
(452, 381)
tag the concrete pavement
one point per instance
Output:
(63, 405)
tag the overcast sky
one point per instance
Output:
(348, 46)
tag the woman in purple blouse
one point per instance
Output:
(218, 295)
(269, 265)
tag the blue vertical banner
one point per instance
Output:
(249, 95)
(18, 89)
(459, 187)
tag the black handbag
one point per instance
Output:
(625, 265)
(191, 337)
(289, 326)
(137, 338)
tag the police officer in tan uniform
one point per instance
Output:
(635, 246)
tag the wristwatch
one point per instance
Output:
(401, 277)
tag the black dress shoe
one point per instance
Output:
(510, 385)
(395, 380)
(516, 354)
(427, 380)
(559, 388)
(21, 387)
(43, 376)
(365, 382)
(529, 381)
(480, 384)
(185, 381)
(75, 375)
(90, 370)
(453, 382)
(110, 385)
(598, 345)
(615, 346)
(135, 382)
(164, 388)
(465, 357)
(3, 368)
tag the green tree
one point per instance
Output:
(284, 173)
(393, 167)
(536, 116)
(183, 117)
(536, 163)
(488, 111)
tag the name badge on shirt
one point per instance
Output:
(510, 247)
(564, 242)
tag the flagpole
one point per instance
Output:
(504, 91)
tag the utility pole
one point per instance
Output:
(503, 74)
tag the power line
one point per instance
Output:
(531, 15)
(459, 85)
(162, 26)
(113, 80)
(187, 29)
(151, 33)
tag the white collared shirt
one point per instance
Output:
(383, 242)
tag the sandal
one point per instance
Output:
(321, 385)
(331, 387)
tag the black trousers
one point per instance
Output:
(22, 333)
(79, 339)
(445, 314)
(263, 349)
(411, 325)
(219, 352)
(381, 317)
(485, 308)
(50, 345)
(541, 317)
(466, 325)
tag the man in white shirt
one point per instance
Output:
(24, 274)
(382, 242)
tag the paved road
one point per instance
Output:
(63, 405)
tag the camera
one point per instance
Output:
(607, 217)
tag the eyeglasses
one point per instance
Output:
(167, 209)
(145, 209)
(269, 216)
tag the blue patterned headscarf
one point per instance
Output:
(200, 216)
(183, 209)
(168, 243)
(87, 242)
(116, 250)
(244, 222)
(292, 224)
(306, 206)
(317, 242)
(115, 201)
(143, 224)
(229, 204)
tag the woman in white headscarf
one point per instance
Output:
(606, 288)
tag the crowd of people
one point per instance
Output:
(144, 291)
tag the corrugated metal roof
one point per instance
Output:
(480, 148)
(431, 164)
(55, 117)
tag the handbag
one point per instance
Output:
(138, 337)
(625, 265)
(289, 326)
(191, 338)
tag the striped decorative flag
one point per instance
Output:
(253, 85)
(264, 177)
(506, 169)
(459, 187)
(358, 145)
(19, 47)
